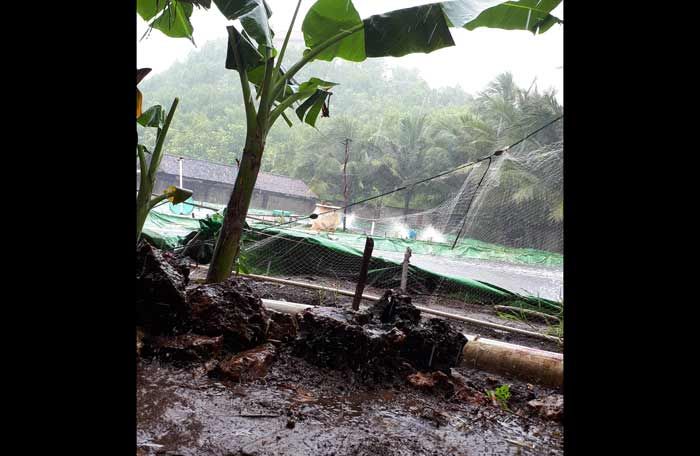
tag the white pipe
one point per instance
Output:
(284, 306)
(180, 163)
(371, 232)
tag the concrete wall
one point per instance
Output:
(295, 205)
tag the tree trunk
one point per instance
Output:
(142, 210)
(228, 242)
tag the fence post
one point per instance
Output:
(404, 269)
(366, 256)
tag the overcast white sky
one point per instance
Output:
(476, 59)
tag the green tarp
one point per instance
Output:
(166, 231)
(467, 248)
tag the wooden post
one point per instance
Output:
(404, 270)
(366, 256)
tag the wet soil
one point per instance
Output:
(301, 409)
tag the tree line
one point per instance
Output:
(396, 127)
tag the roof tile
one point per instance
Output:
(216, 172)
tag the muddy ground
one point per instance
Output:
(302, 409)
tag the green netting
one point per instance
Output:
(276, 251)
(316, 254)
(466, 248)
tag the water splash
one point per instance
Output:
(399, 230)
(431, 234)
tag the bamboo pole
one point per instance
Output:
(529, 364)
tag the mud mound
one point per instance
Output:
(387, 341)
(433, 345)
(161, 304)
(229, 309)
(336, 338)
(383, 342)
(395, 306)
(166, 307)
(283, 327)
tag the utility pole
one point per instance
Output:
(345, 181)
(180, 163)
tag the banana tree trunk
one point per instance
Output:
(147, 181)
(228, 242)
(143, 197)
(142, 209)
(144, 204)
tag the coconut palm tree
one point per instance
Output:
(526, 187)
(323, 163)
(407, 156)
(536, 179)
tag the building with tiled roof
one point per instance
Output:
(213, 182)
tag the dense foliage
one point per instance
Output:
(400, 129)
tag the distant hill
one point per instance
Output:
(210, 121)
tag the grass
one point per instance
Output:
(510, 316)
(500, 396)
(556, 329)
(322, 297)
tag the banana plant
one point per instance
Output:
(154, 117)
(172, 17)
(332, 29)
